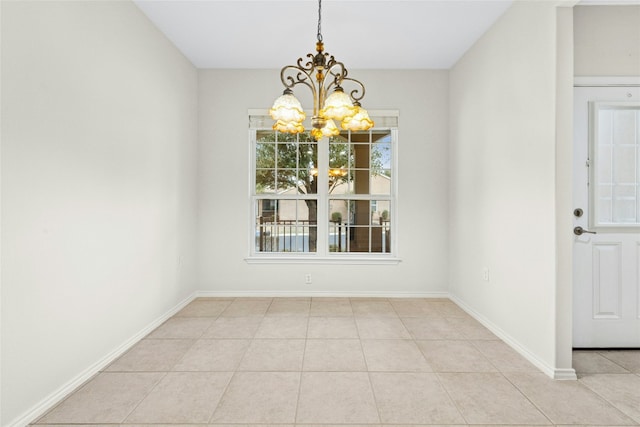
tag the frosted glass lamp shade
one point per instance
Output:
(288, 127)
(287, 108)
(338, 106)
(360, 121)
(329, 129)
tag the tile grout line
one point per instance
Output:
(169, 371)
(144, 398)
(373, 392)
(224, 391)
(615, 363)
(366, 365)
(607, 400)
(437, 376)
(304, 352)
(451, 399)
(528, 399)
(473, 344)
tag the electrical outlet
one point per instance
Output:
(307, 279)
(485, 274)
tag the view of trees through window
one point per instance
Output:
(357, 194)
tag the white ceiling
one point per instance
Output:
(365, 34)
(374, 34)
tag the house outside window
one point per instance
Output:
(328, 199)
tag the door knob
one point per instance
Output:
(579, 231)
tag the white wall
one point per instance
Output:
(502, 179)
(421, 98)
(564, 195)
(98, 187)
(607, 40)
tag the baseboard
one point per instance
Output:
(57, 396)
(564, 374)
(556, 374)
(319, 294)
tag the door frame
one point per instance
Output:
(593, 81)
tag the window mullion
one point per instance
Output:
(323, 202)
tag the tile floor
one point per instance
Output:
(339, 361)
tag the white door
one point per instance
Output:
(606, 265)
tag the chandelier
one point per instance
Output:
(321, 73)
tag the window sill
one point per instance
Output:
(353, 260)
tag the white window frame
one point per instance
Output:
(388, 119)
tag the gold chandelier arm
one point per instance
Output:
(308, 67)
(292, 75)
(337, 71)
(358, 93)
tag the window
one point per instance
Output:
(615, 154)
(332, 198)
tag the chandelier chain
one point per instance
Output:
(319, 20)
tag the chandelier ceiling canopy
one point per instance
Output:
(322, 74)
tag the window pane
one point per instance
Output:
(624, 127)
(308, 182)
(360, 156)
(381, 238)
(338, 225)
(286, 137)
(360, 136)
(287, 181)
(340, 181)
(339, 211)
(381, 182)
(286, 225)
(265, 155)
(381, 156)
(380, 211)
(604, 164)
(617, 165)
(287, 156)
(361, 181)
(625, 165)
(605, 204)
(265, 181)
(359, 226)
(339, 154)
(308, 172)
(624, 204)
(308, 156)
(265, 136)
